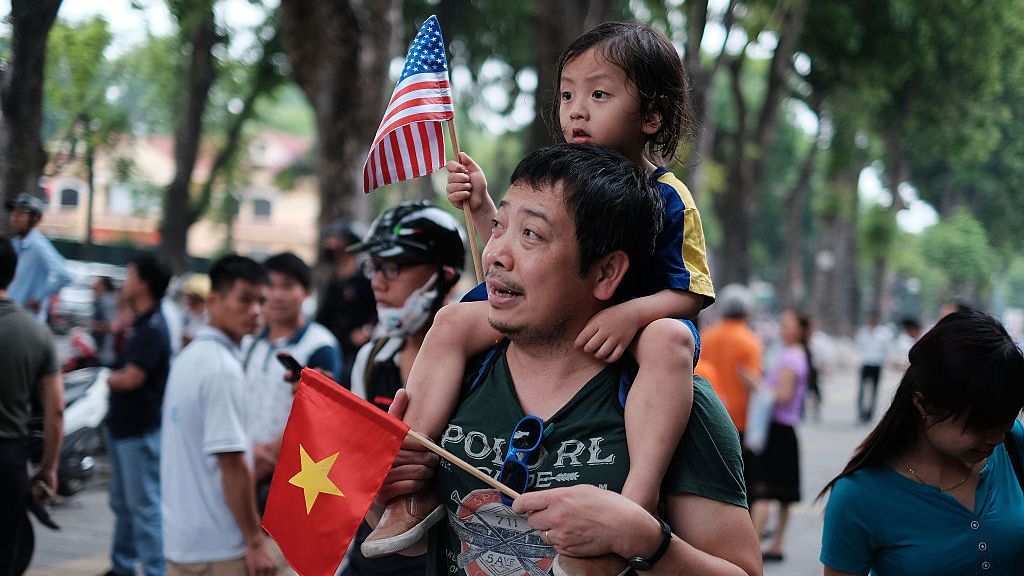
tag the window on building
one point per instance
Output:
(68, 198)
(261, 209)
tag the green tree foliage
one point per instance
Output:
(960, 247)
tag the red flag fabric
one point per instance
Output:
(337, 449)
(410, 140)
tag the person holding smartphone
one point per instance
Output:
(269, 397)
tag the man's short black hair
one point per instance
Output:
(290, 265)
(231, 268)
(8, 262)
(610, 198)
(154, 273)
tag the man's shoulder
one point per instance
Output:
(206, 357)
(154, 329)
(25, 325)
(318, 334)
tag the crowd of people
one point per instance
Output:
(574, 374)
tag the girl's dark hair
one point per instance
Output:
(652, 65)
(805, 342)
(966, 365)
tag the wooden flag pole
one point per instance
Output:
(426, 442)
(467, 212)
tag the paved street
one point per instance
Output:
(82, 545)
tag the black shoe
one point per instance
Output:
(771, 557)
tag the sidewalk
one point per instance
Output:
(82, 546)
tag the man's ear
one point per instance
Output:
(449, 274)
(610, 270)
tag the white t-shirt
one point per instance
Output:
(203, 415)
(873, 343)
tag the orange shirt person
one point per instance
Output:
(731, 346)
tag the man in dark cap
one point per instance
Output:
(42, 271)
(347, 307)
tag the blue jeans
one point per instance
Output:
(135, 500)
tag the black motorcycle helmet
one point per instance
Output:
(417, 232)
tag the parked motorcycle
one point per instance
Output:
(86, 396)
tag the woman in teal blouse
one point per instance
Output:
(931, 490)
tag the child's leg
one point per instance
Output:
(459, 332)
(658, 406)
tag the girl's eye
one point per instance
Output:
(599, 94)
(566, 96)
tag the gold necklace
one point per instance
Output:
(941, 489)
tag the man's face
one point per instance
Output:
(133, 285)
(531, 268)
(284, 298)
(21, 222)
(236, 312)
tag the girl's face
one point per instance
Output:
(967, 445)
(599, 105)
(789, 328)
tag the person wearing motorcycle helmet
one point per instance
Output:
(415, 255)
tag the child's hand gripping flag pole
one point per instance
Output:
(336, 451)
(410, 141)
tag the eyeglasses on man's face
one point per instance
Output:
(390, 269)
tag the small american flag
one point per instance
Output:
(410, 140)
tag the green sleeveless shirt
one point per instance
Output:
(584, 443)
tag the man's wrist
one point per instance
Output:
(646, 538)
(256, 540)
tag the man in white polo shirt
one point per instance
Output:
(268, 396)
(209, 505)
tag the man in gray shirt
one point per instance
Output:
(29, 361)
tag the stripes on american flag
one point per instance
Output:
(410, 141)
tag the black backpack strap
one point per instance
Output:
(1015, 457)
(480, 365)
(368, 369)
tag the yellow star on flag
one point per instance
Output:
(313, 477)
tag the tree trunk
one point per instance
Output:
(702, 79)
(21, 98)
(753, 142)
(90, 175)
(794, 288)
(835, 292)
(179, 211)
(339, 54)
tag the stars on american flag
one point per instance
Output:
(426, 53)
(410, 140)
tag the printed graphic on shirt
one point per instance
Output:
(493, 540)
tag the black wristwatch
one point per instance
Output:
(640, 563)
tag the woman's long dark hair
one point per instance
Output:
(806, 328)
(965, 365)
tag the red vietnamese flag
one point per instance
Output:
(337, 449)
